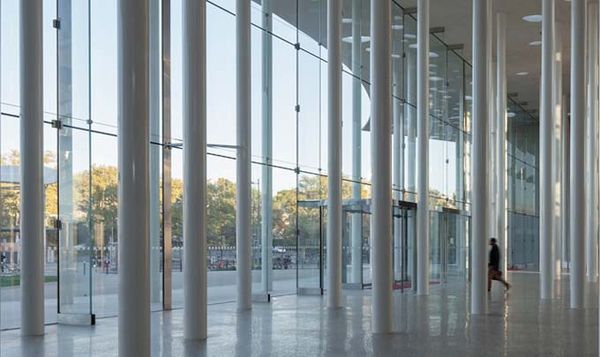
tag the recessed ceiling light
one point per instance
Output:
(363, 39)
(410, 35)
(368, 49)
(522, 73)
(435, 78)
(397, 27)
(395, 55)
(468, 97)
(432, 65)
(511, 114)
(433, 55)
(413, 45)
(347, 20)
(447, 97)
(533, 18)
(535, 43)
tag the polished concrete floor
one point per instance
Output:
(517, 324)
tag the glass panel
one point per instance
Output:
(311, 232)
(104, 192)
(76, 256)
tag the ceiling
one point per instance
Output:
(456, 17)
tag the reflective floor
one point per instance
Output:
(517, 324)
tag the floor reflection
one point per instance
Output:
(517, 324)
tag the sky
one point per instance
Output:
(221, 94)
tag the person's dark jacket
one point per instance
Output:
(494, 257)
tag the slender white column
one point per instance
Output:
(134, 277)
(411, 155)
(501, 95)
(546, 127)
(32, 146)
(423, 147)
(577, 172)
(411, 87)
(590, 148)
(479, 149)
(557, 144)
(243, 233)
(491, 102)
(565, 179)
(334, 152)
(566, 185)
(356, 138)
(381, 114)
(398, 162)
(194, 169)
(267, 149)
(155, 162)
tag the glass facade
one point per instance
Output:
(289, 153)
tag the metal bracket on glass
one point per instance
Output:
(56, 24)
(173, 145)
(297, 45)
(76, 319)
(57, 124)
(297, 108)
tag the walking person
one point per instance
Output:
(494, 272)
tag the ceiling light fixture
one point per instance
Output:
(522, 73)
(535, 43)
(347, 20)
(511, 114)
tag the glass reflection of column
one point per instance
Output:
(460, 178)
(68, 257)
(409, 112)
(398, 162)
(501, 96)
(267, 149)
(154, 77)
(356, 140)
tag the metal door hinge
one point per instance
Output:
(56, 24)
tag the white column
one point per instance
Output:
(565, 179)
(194, 169)
(356, 138)
(155, 57)
(501, 95)
(243, 162)
(134, 277)
(398, 162)
(32, 146)
(491, 102)
(479, 197)
(334, 153)
(577, 171)
(546, 127)
(590, 148)
(267, 149)
(381, 114)
(557, 145)
(423, 147)
(411, 155)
